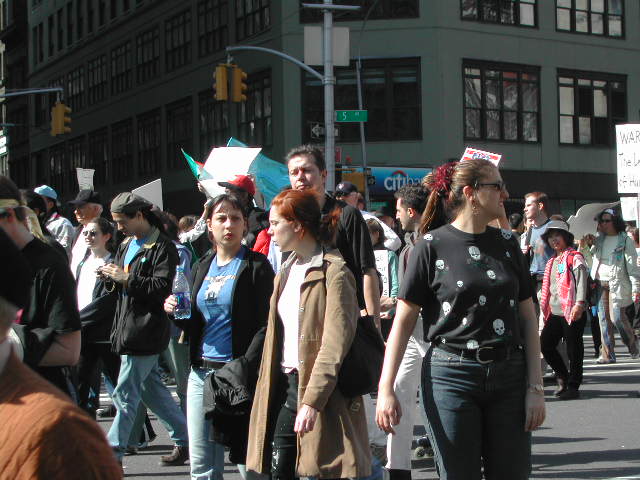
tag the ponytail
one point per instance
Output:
(434, 214)
(329, 227)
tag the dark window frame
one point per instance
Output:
(213, 26)
(75, 88)
(611, 120)
(256, 21)
(98, 155)
(149, 140)
(177, 40)
(384, 11)
(179, 131)
(253, 128)
(147, 55)
(389, 105)
(213, 122)
(121, 68)
(480, 15)
(122, 148)
(589, 14)
(520, 69)
(97, 79)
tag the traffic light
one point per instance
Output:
(221, 86)
(238, 85)
(60, 119)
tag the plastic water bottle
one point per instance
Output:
(182, 292)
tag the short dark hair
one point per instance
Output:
(515, 219)
(412, 196)
(617, 221)
(568, 237)
(310, 151)
(374, 227)
(230, 199)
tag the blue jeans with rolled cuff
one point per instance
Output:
(476, 416)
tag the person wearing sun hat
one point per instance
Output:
(60, 227)
(242, 187)
(563, 306)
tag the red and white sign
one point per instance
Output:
(473, 153)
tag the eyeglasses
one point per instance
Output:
(605, 220)
(89, 233)
(497, 186)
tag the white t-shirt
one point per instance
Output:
(78, 251)
(608, 246)
(87, 279)
(289, 311)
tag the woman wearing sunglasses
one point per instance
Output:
(97, 308)
(481, 379)
(617, 275)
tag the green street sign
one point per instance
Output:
(352, 115)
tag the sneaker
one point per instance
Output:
(603, 361)
(562, 387)
(106, 412)
(178, 456)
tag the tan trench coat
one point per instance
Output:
(338, 445)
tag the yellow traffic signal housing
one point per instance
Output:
(60, 119)
(239, 85)
(357, 178)
(221, 85)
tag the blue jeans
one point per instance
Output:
(610, 316)
(206, 457)
(476, 416)
(138, 381)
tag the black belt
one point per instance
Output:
(482, 354)
(210, 364)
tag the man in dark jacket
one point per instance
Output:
(143, 272)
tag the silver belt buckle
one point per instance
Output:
(478, 355)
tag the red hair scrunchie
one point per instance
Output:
(442, 177)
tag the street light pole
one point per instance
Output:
(328, 80)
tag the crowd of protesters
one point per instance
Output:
(463, 296)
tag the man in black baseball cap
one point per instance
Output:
(86, 207)
(348, 193)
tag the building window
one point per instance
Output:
(590, 106)
(69, 23)
(179, 131)
(391, 94)
(60, 29)
(89, 16)
(20, 171)
(501, 102)
(59, 171)
(121, 68)
(149, 143)
(178, 41)
(214, 122)
(97, 69)
(122, 151)
(382, 9)
(75, 89)
(254, 125)
(147, 55)
(113, 9)
(98, 155)
(125, 5)
(102, 12)
(77, 157)
(252, 18)
(213, 31)
(38, 44)
(597, 17)
(80, 18)
(20, 118)
(50, 33)
(506, 12)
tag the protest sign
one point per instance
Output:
(628, 158)
(152, 192)
(473, 153)
(85, 178)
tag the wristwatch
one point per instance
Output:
(536, 388)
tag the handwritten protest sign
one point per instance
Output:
(85, 178)
(628, 158)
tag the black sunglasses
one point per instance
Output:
(497, 186)
(91, 233)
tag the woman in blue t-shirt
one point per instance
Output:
(231, 290)
(481, 379)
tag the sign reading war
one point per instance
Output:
(628, 158)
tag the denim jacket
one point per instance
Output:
(625, 273)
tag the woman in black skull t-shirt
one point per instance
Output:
(481, 382)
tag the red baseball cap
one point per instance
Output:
(242, 182)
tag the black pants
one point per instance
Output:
(285, 445)
(94, 358)
(555, 330)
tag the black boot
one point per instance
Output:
(395, 474)
(571, 393)
(562, 387)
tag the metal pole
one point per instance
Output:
(329, 81)
(363, 146)
(31, 91)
